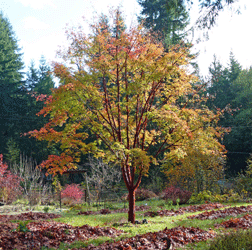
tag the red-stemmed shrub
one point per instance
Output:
(173, 193)
(10, 187)
(72, 191)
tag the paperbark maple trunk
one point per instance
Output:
(131, 213)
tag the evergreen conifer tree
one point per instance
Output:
(225, 93)
(168, 18)
(11, 100)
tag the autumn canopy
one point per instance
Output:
(125, 99)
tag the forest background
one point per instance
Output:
(228, 87)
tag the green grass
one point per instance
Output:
(229, 240)
(236, 240)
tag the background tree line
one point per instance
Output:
(230, 88)
(228, 85)
(18, 105)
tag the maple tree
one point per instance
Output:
(123, 98)
(72, 191)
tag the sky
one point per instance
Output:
(39, 26)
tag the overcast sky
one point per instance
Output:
(40, 25)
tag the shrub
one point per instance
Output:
(201, 197)
(34, 197)
(10, 187)
(46, 209)
(141, 194)
(22, 227)
(69, 202)
(144, 194)
(176, 194)
(105, 211)
(237, 240)
(72, 191)
(233, 196)
(207, 196)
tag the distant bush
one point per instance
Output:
(176, 195)
(69, 202)
(237, 240)
(207, 196)
(144, 194)
(201, 197)
(72, 191)
(10, 187)
(141, 194)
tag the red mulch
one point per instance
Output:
(244, 222)
(176, 237)
(122, 210)
(28, 216)
(182, 210)
(49, 234)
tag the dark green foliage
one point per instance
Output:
(22, 227)
(18, 106)
(10, 63)
(46, 209)
(172, 15)
(167, 18)
(212, 9)
(237, 240)
(222, 82)
(224, 92)
(11, 98)
(239, 140)
(38, 81)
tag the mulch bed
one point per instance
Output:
(215, 214)
(28, 216)
(172, 212)
(182, 210)
(165, 239)
(108, 211)
(49, 234)
(244, 222)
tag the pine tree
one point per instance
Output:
(238, 141)
(222, 79)
(225, 92)
(11, 101)
(168, 18)
(38, 81)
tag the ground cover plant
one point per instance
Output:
(180, 226)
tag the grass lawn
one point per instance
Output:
(119, 221)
